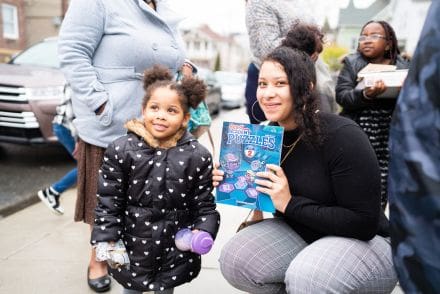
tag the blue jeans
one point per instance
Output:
(66, 139)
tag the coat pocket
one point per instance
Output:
(140, 250)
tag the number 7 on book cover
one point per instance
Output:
(245, 150)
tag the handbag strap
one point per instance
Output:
(211, 140)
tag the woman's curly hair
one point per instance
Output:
(191, 91)
(301, 75)
(305, 37)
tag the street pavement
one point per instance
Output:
(45, 253)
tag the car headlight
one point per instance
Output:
(45, 93)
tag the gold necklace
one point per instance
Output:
(294, 143)
(291, 147)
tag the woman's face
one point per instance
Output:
(273, 94)
(373, 42)
(163, 114)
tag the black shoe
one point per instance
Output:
(101, 284)
(52, 200)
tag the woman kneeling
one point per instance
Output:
(329, 233)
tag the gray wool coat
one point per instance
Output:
(104, 47)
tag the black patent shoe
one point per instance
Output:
(101, 284)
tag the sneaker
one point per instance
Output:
(51, 198)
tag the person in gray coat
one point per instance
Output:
(267, 23)
(104, 46)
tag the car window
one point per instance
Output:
(230, 78)
(206, 75)
(43, 54)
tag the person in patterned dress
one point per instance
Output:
(377, 45)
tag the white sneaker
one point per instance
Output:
(52, 200)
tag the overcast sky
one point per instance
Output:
(226, 16)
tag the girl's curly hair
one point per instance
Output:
(301, 75)
(191, 91)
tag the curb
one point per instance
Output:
(13, 207)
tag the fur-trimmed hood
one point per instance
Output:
(137, 126)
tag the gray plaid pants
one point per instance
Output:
(269, 257)
(129, 291)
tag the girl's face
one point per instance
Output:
(163, 114)
(273, 94)
(373, 42)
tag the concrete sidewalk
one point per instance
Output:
(45, 253)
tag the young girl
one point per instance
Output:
(378, 45)
(154, 181)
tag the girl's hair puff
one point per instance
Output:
(195, 90)
(155, 74)
(191, 91)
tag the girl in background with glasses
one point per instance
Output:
(377, 45)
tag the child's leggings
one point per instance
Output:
(167, 291)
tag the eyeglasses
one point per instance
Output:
(373, 37)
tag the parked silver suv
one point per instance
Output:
(31, 86)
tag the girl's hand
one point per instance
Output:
(217, 175)
(378, 88)
(187, 70)
(275, 184)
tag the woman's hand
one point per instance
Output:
(75, 151)
(275, 184)
(377, 89)
(217, 175)
(256, 215)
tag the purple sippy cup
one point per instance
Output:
(200, 242)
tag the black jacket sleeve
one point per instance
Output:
(111, 196)
(347, 95)
(355, 178)
(203, 205)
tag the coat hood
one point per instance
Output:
(137, 126)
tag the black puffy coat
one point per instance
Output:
(351, 99)
(146, 195)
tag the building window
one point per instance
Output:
(197, 45)
(10, 21)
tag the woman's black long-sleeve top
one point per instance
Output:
(335, 186)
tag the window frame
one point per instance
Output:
(16, 33)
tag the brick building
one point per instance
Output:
(43, 18)
(12, 27)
